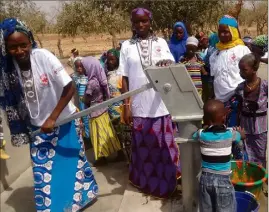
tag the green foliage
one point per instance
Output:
(27, 11)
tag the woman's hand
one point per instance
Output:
(48, 126)
(127, 115)
(163, 63)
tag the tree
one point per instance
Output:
(26, 11)
(91, 17)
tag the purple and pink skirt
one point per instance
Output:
(154, 167)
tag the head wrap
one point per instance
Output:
(247, 39)
(261, 41)
(213, 39)
(11, 94)
(228, 20)
(233, 27)
(192, 41)
(114, 52)
(178, 47)
(141, 11)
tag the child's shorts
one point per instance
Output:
(216, 193)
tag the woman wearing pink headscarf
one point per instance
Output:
(154, 166)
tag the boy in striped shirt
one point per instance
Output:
(216, 192)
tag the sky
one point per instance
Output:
(50, 7)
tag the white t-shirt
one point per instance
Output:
(265, 56)
(225, 70)
(149, 102)
(50, 78)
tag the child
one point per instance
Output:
(253, 109)
(194, 63)
(216, 192)
(3, 154)
(81, 80)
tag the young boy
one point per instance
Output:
(216, 192)
(3, 154)
(194, 63)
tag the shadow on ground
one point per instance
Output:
(22, 199)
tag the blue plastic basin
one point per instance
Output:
(246, 202)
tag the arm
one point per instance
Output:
(103, 82)
(65, 98)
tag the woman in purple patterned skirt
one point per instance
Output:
(154, 163)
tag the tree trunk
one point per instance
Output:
(39, 41)
(59, 45)
(114, 39)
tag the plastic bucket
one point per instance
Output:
(248, 177)
(246, 202)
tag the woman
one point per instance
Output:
(103, 136)
(178, 40)
(37, 93)
(81, 81)
(224, 64)
(207, 80)
(225, 70)
(154, 158)
(259, 47)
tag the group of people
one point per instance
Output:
(36, 92)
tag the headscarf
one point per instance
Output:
(233, 27)
(247, 39)
(95, 73)
(114, 52)
(178, 47)
(213, 39)
(261, 41)
(11, 94)
(141, 11)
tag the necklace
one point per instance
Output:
(254, 84)
(145, 52)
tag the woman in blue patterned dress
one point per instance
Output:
(81, 81)
(36, 92)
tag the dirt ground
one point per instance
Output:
(88, 45)
(96, 44)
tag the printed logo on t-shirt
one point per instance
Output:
(44, 79)
(157, 51)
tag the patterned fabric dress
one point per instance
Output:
(56, 190)
(194, 69)
(155, 161)
(254, 120)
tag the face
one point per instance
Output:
(204, 43)
(190, 50)
(19, 46)
(257, 51)
(75, 54)
(112, 62)
(179, 33)
(141, 24)
(79, 67)
(224, 33)
(246, 71)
